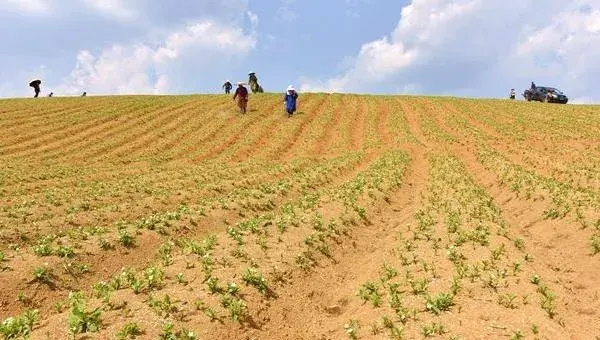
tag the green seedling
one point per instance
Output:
(351, 329)
(252, 277)
(41, 275)
(370, 292)
(441, 302)
(126, 239)
(19, 326)
(81, 320)
(433, 329)
(131, 330)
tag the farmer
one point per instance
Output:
(532, 85)
(513, 94)
(253, 82)
(36, 87)
(227, 86)
(51, 94)
(241, 93)
(290, 100)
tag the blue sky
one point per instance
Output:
(475, 48)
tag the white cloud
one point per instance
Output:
(27, 6)
(142, 68)
(458, 46)
(114, 8)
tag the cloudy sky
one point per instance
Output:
(475, 48)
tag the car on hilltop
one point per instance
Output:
(545, 94)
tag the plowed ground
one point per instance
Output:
(360, 217)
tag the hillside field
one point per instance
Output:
(361, 217)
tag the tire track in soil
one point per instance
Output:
(327, 135)
(141, 121)
(322, 300)
(284, 151)
(267, 130)
(250, 122)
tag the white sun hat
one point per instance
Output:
(291, 88)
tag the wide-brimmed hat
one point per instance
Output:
(291, 88)
(240, 83)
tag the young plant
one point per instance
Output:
(81, 320)
(252, 277)
(441, 302)
(65, 251)
(126, 239)
(508, 300)
(370, 292)
(154, 277)
(130, 331)
(168, 333)
(20, 326)
(351, 329)
(236, 307)
(40, 274)
(166, 253)
(433, 329)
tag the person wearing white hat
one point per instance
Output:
(241, 93)
(290, 100)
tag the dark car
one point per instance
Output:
(546, 95)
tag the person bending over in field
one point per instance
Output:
(290, 100)
(227, 86)
(241, 93)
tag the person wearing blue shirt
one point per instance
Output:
(290, 100)
(227, 86)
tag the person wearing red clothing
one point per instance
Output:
(241, 93)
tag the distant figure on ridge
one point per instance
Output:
(253, 82)
(290, 100)
(50, 94)
(532, 85)
(241, 93)
(513, 94)
(36, 87)
(227, 86)
(84, 94)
